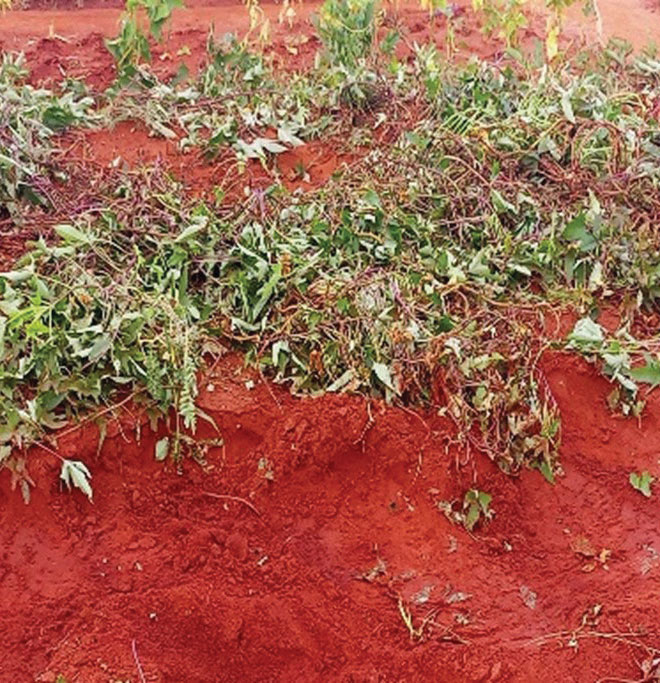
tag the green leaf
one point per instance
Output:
(587, 332)
(649, 373)
(102, 345)
(70, 234)
(192, 230)
(162, 448)
(475, 504)
(484, 500)
(642, 482)
(546, 471)
(389, 42)
(576, 228)
(279, 347)
(500, 204)
(267, 291)
(472, 516)
(384, 375)
(57, 119)
(75, 473)
(576, 231)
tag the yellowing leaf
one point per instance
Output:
(552, 40)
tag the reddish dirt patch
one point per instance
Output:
(309, 588)
(130, 145)
(51, 60)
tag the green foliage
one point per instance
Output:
(76, 333)
(476, 505)
(615, 356)
(507, 18)
(131, 45)
(417, 275)
(504, 17)
(641, 481)
(473, 510)
(30, 119)
(75, 473)
(347, 29)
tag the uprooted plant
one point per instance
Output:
(424, 274)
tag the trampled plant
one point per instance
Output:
(615, 355)
(29, 118)
(416, 275)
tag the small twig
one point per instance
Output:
(367, 426)
(49, 450)
(95, 415)
(270, 391)
(224, 496)
(137, 662)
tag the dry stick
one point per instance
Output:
(137, 662)
(97, 414)
(270, 391)
(224, 496)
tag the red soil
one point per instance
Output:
(212, 591)
(130, 144)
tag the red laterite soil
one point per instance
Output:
(337, 525)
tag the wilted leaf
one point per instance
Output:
(285, 135)
(583, 546)
(102, 345)
(71, 234)
(75, 473)
(191, 230)
(642, 482)
(567, 107)
(383, 373)
(587, 332)
(341, 381)
(162, 448)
